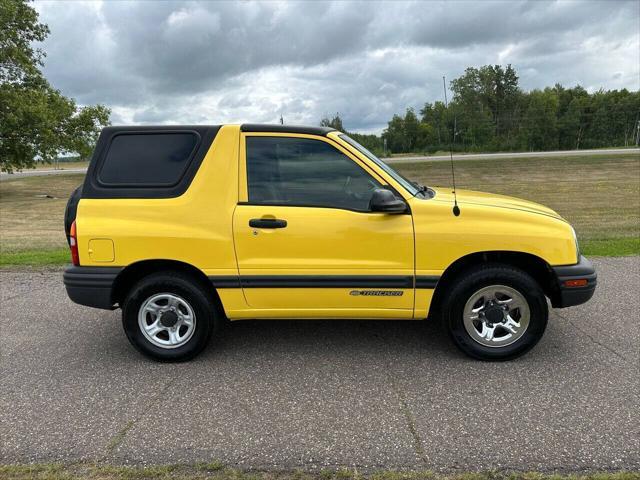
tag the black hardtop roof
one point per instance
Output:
(256, 127)
(245, 127)
(145, 128)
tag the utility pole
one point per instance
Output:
(637, 133)
(281, 120)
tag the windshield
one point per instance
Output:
(407, 184)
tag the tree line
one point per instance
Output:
(490, 112)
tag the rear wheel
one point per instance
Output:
(495, 312)
(169, 317)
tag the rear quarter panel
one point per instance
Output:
(195, 228)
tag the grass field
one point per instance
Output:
(599, 195)
(31, 223)
(217, 471)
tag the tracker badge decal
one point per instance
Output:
(376, 293)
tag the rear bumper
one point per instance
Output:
(569, 296)
(91, 286)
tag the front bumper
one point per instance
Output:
(568, 296)
(91, 286)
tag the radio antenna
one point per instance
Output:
(456, 208)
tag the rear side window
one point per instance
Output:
(148, 159)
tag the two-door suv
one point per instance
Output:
(185, 227)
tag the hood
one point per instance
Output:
(470, 197)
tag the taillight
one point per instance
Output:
(73, 245)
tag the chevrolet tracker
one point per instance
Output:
(186, 227)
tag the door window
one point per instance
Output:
(304, 172)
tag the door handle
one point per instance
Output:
(267, 223)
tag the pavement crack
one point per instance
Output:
(418, 444)
(7, 299)
(119, 437)
(18, 295)
(594, 340)
(409, 418)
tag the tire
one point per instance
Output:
(499, 332)
(186, 320)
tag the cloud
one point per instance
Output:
(215, 62)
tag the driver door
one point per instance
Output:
(305, 240)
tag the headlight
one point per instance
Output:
(575, 239)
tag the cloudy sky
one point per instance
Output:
(216, 62)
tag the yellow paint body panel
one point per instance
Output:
(194, 228)
(208, 227)
(324, 241)
(442, 238)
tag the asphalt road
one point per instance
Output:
(369, 394)
(433, 158)
(39, 173)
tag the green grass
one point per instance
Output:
(41, 258)
(216, 471)
(613, 247)
(599, 195)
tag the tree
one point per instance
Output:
(540, 124)
(37, 122)
(434, 114)
(394, 134)
(573, 104)
(489, 98)
(410, 125)
(335, 122)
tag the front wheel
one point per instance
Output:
(495, 312)
(169, 317)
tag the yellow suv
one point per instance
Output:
(185, 227)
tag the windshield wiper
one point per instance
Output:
(421, 188)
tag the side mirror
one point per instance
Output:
(384, 200)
